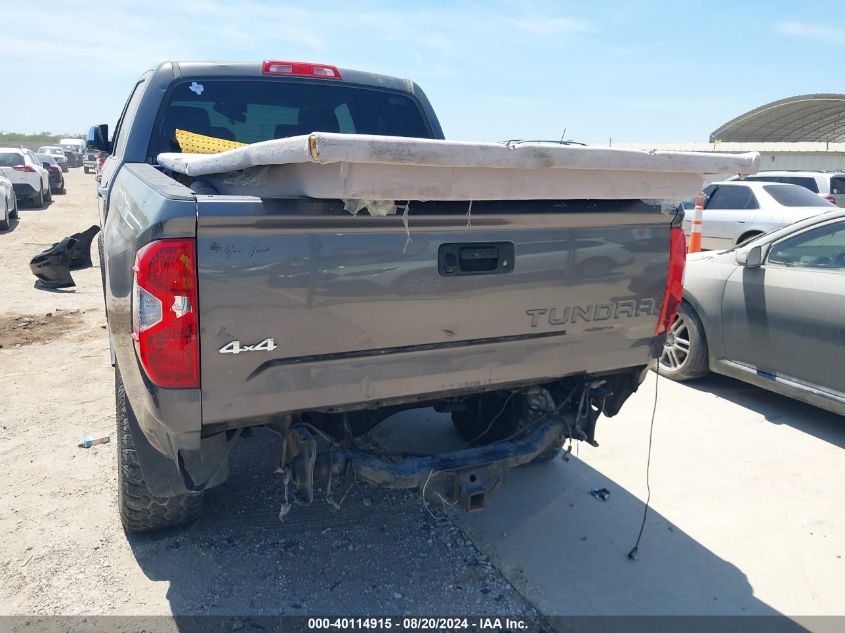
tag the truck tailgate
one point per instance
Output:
(361, 312)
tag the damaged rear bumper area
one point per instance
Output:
(465, 477)
(325, 453)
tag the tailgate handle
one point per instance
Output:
(475, 258)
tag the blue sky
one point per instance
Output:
(634, 71)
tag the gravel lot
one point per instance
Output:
(63, 550)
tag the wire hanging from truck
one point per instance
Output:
(635, 550)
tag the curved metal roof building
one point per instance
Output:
(818, 117)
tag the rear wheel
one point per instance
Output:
(685, 350)
(14, 213)
(140, 510)
(38, 199)
(4, 221)
(494, 417)
(85, 169)
(49, 196)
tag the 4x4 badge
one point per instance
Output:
(235, 347)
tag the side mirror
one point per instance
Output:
(752, 258)
(98, 138)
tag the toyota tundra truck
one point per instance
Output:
(525, 320)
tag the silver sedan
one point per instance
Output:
(739, 210)
(770, 312)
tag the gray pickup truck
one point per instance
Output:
(227, 312)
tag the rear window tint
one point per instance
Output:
(249, 111)
(837, 185)
(732, 197)
(796, 197)
(807, 182)
(10, 159)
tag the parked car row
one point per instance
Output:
(33, 176)
(73, 148)
(57, 153)
(67, 153)
(57, 179)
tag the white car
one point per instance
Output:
(828, 185)
(10, 202)
(735, 211)
(57, 153)
(29, 178)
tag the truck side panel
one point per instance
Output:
(145, 205)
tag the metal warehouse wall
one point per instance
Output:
(824, 161)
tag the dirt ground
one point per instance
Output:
(64, 551)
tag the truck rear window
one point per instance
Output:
(9, 159)
(250, 111)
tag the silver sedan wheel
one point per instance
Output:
(677, 346)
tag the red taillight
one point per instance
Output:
(302, 69)
(674, 281)
(23, 168)
(830, 199)
(165, 323)
(55, 169)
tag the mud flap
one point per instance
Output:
(195, 471)
(161, 474)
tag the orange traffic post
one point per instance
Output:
(697, 221)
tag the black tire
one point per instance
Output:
(140, 510)
(685, 351)
(38, 200)
(49, 196)
(14, 213)
(489, 420)
(4, 220)
(85, 169)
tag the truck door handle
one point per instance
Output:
(475, 258)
